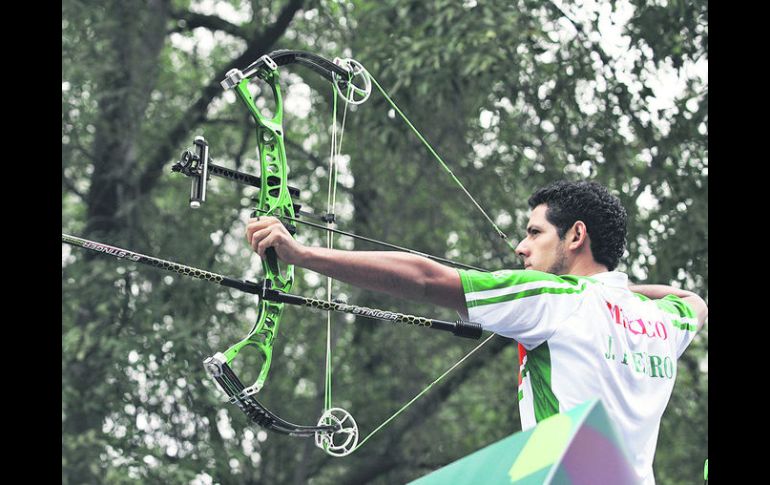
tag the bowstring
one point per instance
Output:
(330, 244)
(331, 202)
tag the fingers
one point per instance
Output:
(257, 224)
(265, 232)
(272, 240)
(262, 239)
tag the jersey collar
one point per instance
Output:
(612, 278)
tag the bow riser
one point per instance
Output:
(274, 199)
(260, 337)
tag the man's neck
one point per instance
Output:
(587, 268)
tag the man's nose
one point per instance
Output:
(522, 250)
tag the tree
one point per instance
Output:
(513, 95)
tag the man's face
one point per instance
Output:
(542, 250)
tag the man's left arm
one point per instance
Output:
(656, 292)
(398, 274)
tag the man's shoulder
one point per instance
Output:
(518, 278)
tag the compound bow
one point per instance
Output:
(336, 431)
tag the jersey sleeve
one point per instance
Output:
(525, 305)
(684, 322)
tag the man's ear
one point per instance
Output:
(578, 235)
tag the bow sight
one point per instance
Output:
(196, 163)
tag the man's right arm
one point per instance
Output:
(657, 292)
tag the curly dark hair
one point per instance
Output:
(592, 203)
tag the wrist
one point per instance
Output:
(304, 256)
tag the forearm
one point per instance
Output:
(398, 274)
(656, 292)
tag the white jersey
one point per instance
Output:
(582, 338)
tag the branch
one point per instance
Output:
(189, 21)
(274, 32)
(259, 45)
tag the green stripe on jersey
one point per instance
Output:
(539, 369)
(676, 306)
(525, 294)
(481, 281)
(687, 327)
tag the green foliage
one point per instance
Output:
(512, 94)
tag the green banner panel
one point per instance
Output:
(577, 447)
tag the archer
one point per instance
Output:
(564, 309)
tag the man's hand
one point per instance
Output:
(269, 232)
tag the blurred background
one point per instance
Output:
(513, 94)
